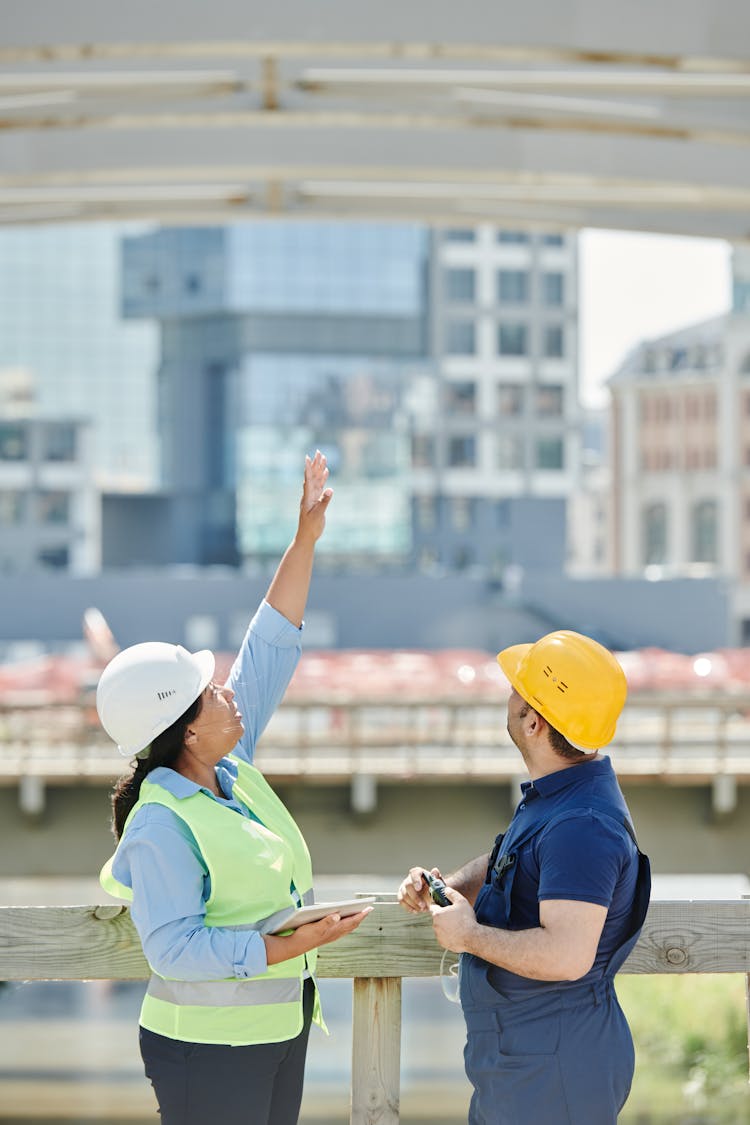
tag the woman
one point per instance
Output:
(208, 856)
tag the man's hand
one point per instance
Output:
(454, 924)
(315, 497)
(413, 893)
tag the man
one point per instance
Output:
(544, 922)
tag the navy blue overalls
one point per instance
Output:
(541, 1052)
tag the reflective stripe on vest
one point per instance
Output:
(225, 993)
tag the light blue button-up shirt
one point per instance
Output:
(159, 857)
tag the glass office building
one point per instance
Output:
(61, 325)
(278, 338)
(353, 410)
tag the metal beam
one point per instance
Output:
(546, 115)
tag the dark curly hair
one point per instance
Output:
(164, 751)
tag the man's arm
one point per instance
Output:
(562, 947)
(469, 879)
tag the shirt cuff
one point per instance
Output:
(250, 958)
(275, 629)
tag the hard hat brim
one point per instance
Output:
(509, 660)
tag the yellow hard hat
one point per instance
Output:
(574, 682)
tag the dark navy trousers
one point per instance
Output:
(562, 1057)
(196, 1083)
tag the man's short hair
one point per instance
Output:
(557, 741)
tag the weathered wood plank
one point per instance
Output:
(693, 937)
(99, 942)
(69, 943)
(376, 1051)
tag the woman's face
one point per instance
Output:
(218, 726)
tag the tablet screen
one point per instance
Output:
(319, 910)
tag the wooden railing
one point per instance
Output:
(694, 738)
(100, 943)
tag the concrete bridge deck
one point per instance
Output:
(675, 739)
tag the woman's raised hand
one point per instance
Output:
(315, 496)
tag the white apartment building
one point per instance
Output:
(503, 436)
(49, 505)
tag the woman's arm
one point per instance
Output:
(291, 583)
(271, 649)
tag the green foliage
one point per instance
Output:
(690, 1035)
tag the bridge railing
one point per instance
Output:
(690, 737)
(100, 943)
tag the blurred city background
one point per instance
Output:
(498, 270)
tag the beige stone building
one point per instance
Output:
(680, 455)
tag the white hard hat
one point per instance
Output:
(146, 688)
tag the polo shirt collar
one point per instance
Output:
(560, 780)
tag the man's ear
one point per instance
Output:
(190, 737)
(535, 723)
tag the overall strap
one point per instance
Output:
(501, 870)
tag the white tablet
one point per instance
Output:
(319, 910)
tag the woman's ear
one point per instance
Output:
(190, 737)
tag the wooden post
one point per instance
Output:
(376, 1051)
(747, 1005)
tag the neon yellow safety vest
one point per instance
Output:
(251, 867)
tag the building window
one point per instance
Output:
(460, 285)
(460, 234)
(513, 236)
(552, 240)
(462, 452)
(549, 453)
(513, 339)
(463, 557)
(554, 341)
(654, 534)
(422, 451)
(460, 337)
(461, 398)
(14, 442)
(509, 452)
(509, 400)
(59, 442)
(12, 506)
(427, 558)
(705, 520)
(425, 512)
(53, 507)
(549, 401)
(54, 558)
(553, 288)
(512, 287)
(462, 513)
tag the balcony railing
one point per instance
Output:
(677, 737)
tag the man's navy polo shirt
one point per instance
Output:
(587, 858)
